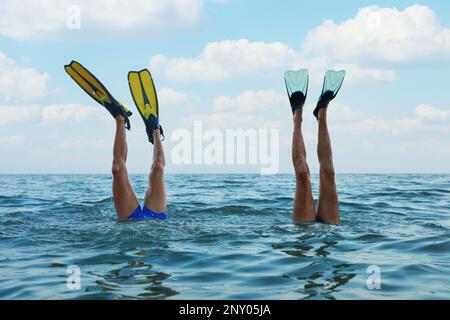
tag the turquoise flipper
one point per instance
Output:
(331, 84)
(333, 81)
(297, 87)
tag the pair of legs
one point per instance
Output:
(126, 202)
(328, 205)
(125, 199)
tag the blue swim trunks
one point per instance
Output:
(146, 213)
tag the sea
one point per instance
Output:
(228, 237)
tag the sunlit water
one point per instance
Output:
(229, 237)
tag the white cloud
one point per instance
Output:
(339, 112)
(361, 124)
(74, 112)
(247, 110)
(15, 114)
(30, 19)
(384, 126)
(429, 112)
(20, 84)
(250, 101)
(227, 120)
(168, 96)
(82, 144)
(12, 140)
(51, 114)
(272, 124)
(383, 33)
(356, 73)
(224, 59)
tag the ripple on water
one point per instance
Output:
(229, 237)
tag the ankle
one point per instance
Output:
(298, 115)
(156, 134)
(322, 116)
(120, 119)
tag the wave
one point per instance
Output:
(233, 240)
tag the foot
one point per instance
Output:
(298, 119)
(322, 114)
(298, 115)
(155, 133)
(297, 87)
(120, 120)
(297, 101)
(323, 102)
(118, 111)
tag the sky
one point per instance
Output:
(222, 63)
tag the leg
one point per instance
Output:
(125, 200)
(155, 198)
(303, 203)
(328, 204)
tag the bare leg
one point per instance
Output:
(125, 200)
(155, 198)
(303, 203)
(328, 204)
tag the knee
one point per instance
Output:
(327, 170)
(302, 174)
(302, 177)
(158, 168)
(118, 167)
(301, 169)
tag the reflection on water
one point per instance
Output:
(229, 237)
(319, 280)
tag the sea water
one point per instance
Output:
(228, 237)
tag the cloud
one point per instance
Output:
(385, 126)
(20, 84)
(82, 144)
(168, 96)
(360, 124)
(15, 114)
(356, 73)
(251, 109)
(250, 101)
(227, 120)
(247, 110)
(224, 59)
(340, 112)
(31, 19)
(429, 112)
(12, 140)
(229, 58)
(73, 112)
(382, 33)
(50, 114)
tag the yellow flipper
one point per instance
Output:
(96, 90)
(88, 82)
(144, 93)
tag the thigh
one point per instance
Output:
(328, 203)
(155, 198)
(125, 199)
(303, 201)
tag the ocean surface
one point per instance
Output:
(229, 237)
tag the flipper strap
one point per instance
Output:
(127, 123)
